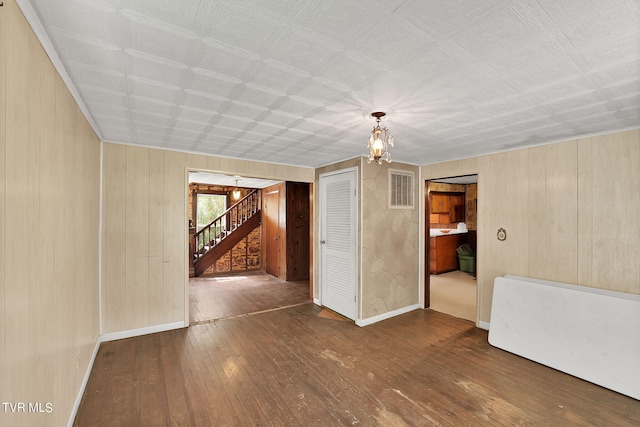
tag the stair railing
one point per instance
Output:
(214, 232)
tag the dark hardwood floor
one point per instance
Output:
(222, 296)
(299, 367)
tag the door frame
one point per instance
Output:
(265, 251)
(186, 239)
(356, 237)
(427, 235)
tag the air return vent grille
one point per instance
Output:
(400, 189)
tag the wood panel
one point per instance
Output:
(49, 180)
(131, 195)
(114, 286)
(298, 222)
(518, 210)
(175, 239)
(155, 241)
(537, 210)
(615, 205)
(567, 210)
(585, 212)
(17, 325)
(491, 216)
(4, 383)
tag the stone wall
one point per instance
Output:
(245, 256)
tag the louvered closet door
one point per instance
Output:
(338, 242)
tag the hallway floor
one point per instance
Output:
(454, 293)
(223, 296)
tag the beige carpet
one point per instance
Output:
(454, 293)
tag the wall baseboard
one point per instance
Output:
(483, 325)
(141, 331)
(83, 386)
(388, 315)
(317, 302)
(112, 337)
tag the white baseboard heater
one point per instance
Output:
(590, 333)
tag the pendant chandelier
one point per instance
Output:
(236, 192)
(379, 141)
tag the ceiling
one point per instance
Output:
(465, 179)
(288, 81)
(230, 180)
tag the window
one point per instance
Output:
(209, 207)
(400, 189)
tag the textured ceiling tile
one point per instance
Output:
(352, 69)
(499, 31)
(277, 75)
(151, 105)
(303, 49)
(447, 17)
(260, 95)
(81, 17)
(599, 24)
(621, 88)
(601, 109)
(218, 84)
(238, 24)
(572, 10)
(534, 53)
(572, 101)
(288, 80)
(204, 100)
(384, 41)
(532, 14)
(137, 18)
(99, 77)
(153, 89)
(620, 71)
(556, 70)
(610, 51)
(339, 20)
(181, 14)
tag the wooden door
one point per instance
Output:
(271, 221)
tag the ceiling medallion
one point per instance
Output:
(379, 141)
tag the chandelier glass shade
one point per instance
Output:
(236, 193)
(379, 141)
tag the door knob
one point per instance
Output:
(322, 242)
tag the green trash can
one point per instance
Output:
(466, 258)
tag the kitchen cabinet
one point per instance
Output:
(439, 203)
(448, 203)
(456, 208)
(443, 256)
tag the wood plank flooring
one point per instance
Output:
(222, 296)
(298, 367)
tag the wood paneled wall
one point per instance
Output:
(569, 209)
(145, 222)
(49, 233)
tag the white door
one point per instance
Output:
(338, 240)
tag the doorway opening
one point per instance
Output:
(229, 219)
(451, 246)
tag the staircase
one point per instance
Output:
(224, 232)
